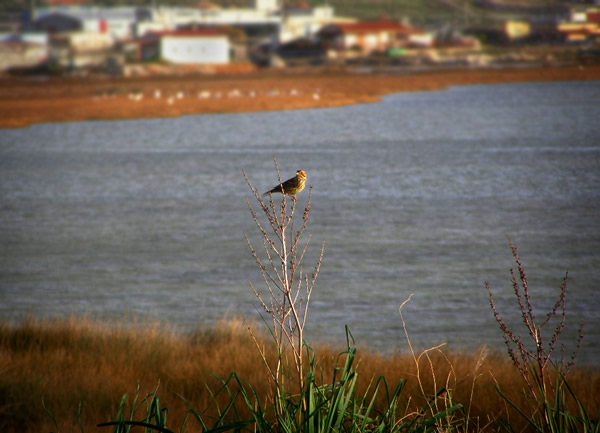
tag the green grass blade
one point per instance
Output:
(50, 414)
(518, 409)
(137, 424)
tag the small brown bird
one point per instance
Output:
(291, 186)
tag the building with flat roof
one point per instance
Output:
(206, 46)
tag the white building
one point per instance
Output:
(304, 23)
(263, 23)
(127, 22)
(269, 6)
(22, 50)
(169, 18)
(206, 46)
(80, 49)
(118, 22)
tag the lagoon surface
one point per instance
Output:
(416, 195)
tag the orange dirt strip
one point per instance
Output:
(24, 102)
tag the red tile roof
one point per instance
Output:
(593, 17)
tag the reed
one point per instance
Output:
(65, 363)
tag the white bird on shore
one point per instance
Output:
(235, 93)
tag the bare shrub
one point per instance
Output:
(535, 365)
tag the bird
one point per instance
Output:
(291, 186)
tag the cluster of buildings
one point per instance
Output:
(76, 37)
(583, 26)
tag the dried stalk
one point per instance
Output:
(534, 361)
(287, 287)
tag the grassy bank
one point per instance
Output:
(73, 366)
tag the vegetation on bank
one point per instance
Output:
(77, 375)
(79, 370)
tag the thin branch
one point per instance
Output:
(288, 287)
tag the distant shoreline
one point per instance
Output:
(24, 102)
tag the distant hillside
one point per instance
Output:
(430, 12)
(421, 12)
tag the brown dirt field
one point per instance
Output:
(24, 102)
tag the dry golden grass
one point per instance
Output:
(65, 363)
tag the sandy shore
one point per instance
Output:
(24, 102)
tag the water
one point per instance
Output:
(414, 195)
